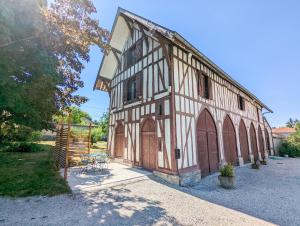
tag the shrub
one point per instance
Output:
(290, 149)
(227, 171)
(23, 147)
(11, 133)
(96, 135)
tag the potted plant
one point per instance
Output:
(264, 162)
(227, 177)
(256, 164)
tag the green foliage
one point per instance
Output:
(28, 71)
(28, 174)
(24, 147)
(101, 133)
(291, 146)
(11, 132)
(227, 171)
(43, 51)
(78, 116)
(292, 123)
(96, 135)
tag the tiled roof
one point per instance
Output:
(284, 130)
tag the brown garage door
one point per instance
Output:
(254, 142)
(229, 140)
(119, 141)
(244, 142)
(261, 143)
(208, 154)
(268, 141)
(149, 145)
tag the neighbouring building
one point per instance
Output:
(279, 134)
(172, 110)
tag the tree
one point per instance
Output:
(72, 32)
(28, 72)
(101, 132)
(42, 53)
(292, 123)
(78, 116)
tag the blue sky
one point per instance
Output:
(256, 42)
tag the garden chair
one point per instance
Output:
(85, 163)
(102, 161)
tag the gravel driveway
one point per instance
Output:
(268, 195)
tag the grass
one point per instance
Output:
(28, 174)
(99, 147)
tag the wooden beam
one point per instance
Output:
(116, 50)
(163, 43)
(126, 18)
(117, 58)
(144, 35)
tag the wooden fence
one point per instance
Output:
(70, 145)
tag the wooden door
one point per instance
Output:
(119, 141)
(253, 142)
(229, 140)
(149, 145)
(268, 144)
(261, 143)
(244, 145)
(207, 144)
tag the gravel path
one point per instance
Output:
(271, 194)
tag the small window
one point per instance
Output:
(241, 102)
(133, 88)
(160, 109)
(204, 86)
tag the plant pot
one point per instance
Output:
(263, 162)
(227, 182)
(255, 166)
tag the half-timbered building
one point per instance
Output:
(172, 110)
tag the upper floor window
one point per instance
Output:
(133, 54)
(204, 85)
(133, 88)
(241, 102)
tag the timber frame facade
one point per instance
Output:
(174, 111)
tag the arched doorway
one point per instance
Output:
(244, 145)
(253, 142)
(119, 141)
(229, 140)
(268, 144)
(261, 143)
(149, 145)
(207, 144)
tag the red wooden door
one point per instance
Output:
(261, 142)
(119, 141)
(229, 140)
(149, 145)
(254, 143)
(207, 144)
(244, 145)
(268, 145)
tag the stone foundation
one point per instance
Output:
(184, 179)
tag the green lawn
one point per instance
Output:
(99, 147)
(28, 174)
